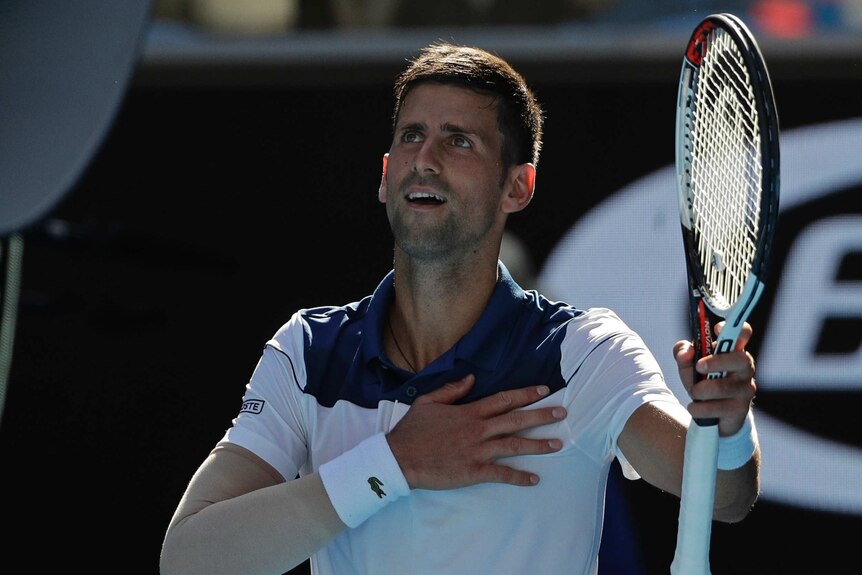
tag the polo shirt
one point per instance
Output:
(324, 384)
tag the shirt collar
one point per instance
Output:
(482, 346)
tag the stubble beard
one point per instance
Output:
(422, 239)
(425, 241)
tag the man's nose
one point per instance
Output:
(428, 157)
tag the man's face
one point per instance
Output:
(442, 187)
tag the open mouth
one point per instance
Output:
(425, 198)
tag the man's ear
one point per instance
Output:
(381, 191)
(521, 185)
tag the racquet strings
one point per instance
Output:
(726, 172)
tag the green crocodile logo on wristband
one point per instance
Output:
(375, 486)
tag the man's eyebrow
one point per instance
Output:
(418, 126)
(449, 127)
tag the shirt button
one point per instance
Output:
(411, 391)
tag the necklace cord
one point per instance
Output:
(398, 346)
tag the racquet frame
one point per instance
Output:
(701, 449)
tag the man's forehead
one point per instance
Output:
(440, 104)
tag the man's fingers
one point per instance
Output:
(442, 446)
(514, 445)
(725, 388)
(742, 338)
(450, 392)
(501, 474)
(507, 401)
(683, 353)
(510, 447)
(522, 419)
(739, 363)
(501, 402)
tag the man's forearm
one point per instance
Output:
(269, 530)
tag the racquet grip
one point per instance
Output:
(696, 502)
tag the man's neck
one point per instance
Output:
(434, 308)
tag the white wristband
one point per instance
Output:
(363, 480)
(735, 450)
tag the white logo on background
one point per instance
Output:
(640, 274)
(808, 294)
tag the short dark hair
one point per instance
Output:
(519, 115)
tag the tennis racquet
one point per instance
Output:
(727, 163)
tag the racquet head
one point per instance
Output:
(727, 161)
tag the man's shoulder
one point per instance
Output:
(585, 328)
(329, 313)
(321, 322)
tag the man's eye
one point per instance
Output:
(461, 142)
(411, 137)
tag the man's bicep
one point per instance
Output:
(653, 442)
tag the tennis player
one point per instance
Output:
(452, 422)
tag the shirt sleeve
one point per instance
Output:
(611, 373)
(271, 421)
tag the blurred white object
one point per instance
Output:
(249, 17)
(851, 12)
(364, 13)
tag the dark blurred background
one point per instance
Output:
(236, 181)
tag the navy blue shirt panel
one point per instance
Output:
(515, 343)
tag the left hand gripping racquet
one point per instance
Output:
(727, 162)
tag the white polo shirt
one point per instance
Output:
(323, 385)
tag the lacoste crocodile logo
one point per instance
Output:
(375, 486)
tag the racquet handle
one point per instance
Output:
(697, 501)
